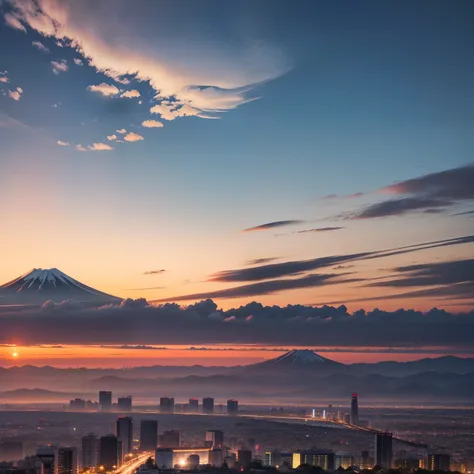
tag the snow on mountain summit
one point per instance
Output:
(298, 359)
(300, 356)
(40, 285)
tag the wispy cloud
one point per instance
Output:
(319, 230)
(59, 66)
(433, 193)
(199, 78)
(261, 261)
(39, 45)
(121, 131)
(272, 225)
(78, 62)
(61, 143)
(13, 21)
(465, 213)
(284, 269)
(266, 287)
(398, 207)
(430, 274)
(3, 77)
(152, 124)
(155, 272)
(111, 137)
(132, 137)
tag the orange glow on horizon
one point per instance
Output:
(119, 357)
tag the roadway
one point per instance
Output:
(134, 463)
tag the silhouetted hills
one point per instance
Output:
(300, 376)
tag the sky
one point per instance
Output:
(242, 152)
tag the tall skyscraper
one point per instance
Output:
(216, 457)
(232, 407)
(324, 460)
(67, 460)
(169, 439)
(124, 403)
(354, 409)
(383, 450)
(193, 405)
(244, 457)
(439, 462)
(90, 451)
(365, 460)
(272, 458)
(109, 449)
(214, 439)
(47, 456)
(124, 428)
(166, 405)
(148, 435)
(105, 400)
(208, 405)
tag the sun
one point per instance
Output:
(15, 355)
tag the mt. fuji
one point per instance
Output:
(297, 360)
(41, 285)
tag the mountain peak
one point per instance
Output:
(40, 285)
(299, 359)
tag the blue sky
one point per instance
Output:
(306, 100)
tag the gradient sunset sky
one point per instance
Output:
(241, 151)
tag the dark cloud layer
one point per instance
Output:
(265, 287)
(467, 213)
(459, 291)
(432, 193)
(397, 207)
(272, 225)
(284, 269)
(430, 274)
(450, 185)
(134, 322)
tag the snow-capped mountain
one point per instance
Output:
(41, 285)
(297, 359)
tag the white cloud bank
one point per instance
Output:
(191, 75)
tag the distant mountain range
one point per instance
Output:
(297, 376)
(41, 285)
